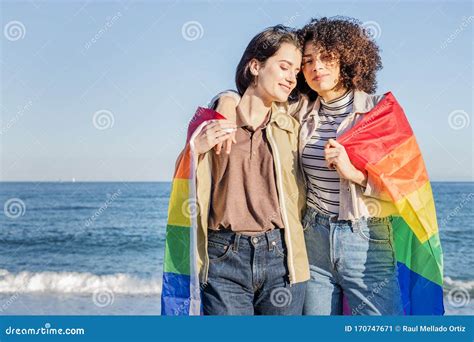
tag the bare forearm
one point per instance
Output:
(359, 178)
(227, 107)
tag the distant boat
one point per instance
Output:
(74, 180)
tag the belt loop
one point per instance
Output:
(270, 239)
(236, 242)
(355, 225)
(314, 214)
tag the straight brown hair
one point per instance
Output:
(263, 46)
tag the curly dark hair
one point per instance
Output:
(346, 40)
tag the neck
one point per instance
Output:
(252, 109)
(332, 94)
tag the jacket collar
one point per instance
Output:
(281, 118)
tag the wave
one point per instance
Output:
(118, 283)
(76, 282)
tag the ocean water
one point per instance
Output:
(97, 248)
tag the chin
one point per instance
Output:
(281, 97)
(325, 87)
(315, 87)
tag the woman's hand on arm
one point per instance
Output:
(337, 158)
(227, 106)
(215, 132)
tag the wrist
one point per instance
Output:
(359, 177)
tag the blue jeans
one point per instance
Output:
(248, 275)
(355, 260)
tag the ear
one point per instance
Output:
(254, 67)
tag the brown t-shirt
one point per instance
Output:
(244, 195)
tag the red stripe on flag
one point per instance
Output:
(379, 132)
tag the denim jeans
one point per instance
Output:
(356, 260)
(248, 275)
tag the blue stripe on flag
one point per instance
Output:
(420, 296)
(175, 294)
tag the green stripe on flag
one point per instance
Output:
(177, 250)
(422, 258)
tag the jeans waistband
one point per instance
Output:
(268, 238)
(314, 216)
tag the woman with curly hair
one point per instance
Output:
(350, 253)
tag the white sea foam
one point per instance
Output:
(75, 282)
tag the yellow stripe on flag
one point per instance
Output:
(180, 208)
(418, 211)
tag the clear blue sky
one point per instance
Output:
(65, 61)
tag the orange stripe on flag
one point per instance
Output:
(183, 170)
(402, 171)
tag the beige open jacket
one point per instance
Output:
(282, 134)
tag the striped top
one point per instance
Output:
(323, 183)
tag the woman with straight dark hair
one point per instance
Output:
(252, 255)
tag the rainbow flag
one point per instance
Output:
(181, 293)
(383, 146)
